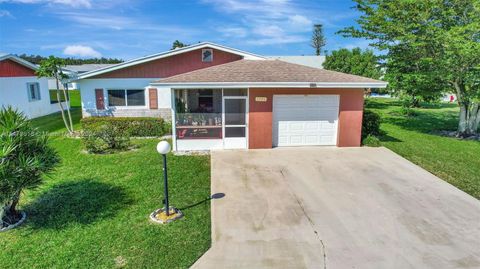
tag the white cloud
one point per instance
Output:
(269, 30)
(238, 32)
(300, 21)
(265, 22)
(5, 13)
(278, 40)
(73, 3)
(96, 20)
(70, 3)
(81, 51)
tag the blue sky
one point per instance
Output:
(132, 28)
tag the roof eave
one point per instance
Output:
(349, 85)
(19, 61)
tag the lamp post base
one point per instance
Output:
(160, 215)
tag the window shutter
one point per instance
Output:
(153, 98)
(100, 101)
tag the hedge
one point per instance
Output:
(131, 126)
(370, 124)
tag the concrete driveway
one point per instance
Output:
(337, 208)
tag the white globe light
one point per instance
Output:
(163, 147)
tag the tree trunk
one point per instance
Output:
(469, 117)
(67, 103)
(61, 106)
(12, 211)
(474, 119)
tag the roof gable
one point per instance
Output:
(153, 57)
(18, 60)
(172, 65)
(13, 66)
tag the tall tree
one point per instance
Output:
(53, 68)
(355, 62)
(434, 42)
(177, 44)
(318, 39)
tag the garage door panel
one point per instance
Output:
(311, 139)
(305, 120)
(296, 139)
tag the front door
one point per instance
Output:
(235, 122)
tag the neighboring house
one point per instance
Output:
(73, 71)
(312, 61)
(223, 98)
(21, 89)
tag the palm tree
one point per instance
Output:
(25, 156)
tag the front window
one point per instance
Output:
(121, 97)
(33, 91)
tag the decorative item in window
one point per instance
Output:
(207, 55)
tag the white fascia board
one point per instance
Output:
(246, 55)
(19, 60)
(273, 85)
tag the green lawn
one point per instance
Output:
(54, 123)
(415, 138)
(75, 98)
(93, 211)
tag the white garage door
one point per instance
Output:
(300, 120)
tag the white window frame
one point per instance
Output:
(29, 93)
(126, 106)
(203, 50)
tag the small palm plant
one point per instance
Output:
(25, 157)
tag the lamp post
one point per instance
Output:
(166, 214)
(163, 147)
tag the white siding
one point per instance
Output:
(87, 91)
(13, 92)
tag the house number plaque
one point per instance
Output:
(260, 99)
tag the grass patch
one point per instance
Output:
(413, 137)
(54, 123)
(75, 100)
(93, 212)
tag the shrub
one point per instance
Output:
(371, 141)
(106, 139)
(370, 124)
(407, 111)
(25, 156)
(132, 126)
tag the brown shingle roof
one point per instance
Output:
(264, 71)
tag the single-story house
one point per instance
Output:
(21, 89)
(223, 98)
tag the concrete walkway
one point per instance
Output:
(337, 208)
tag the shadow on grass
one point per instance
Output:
(79, 202)
(424, 122)
(387, 138)
(218, 195)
